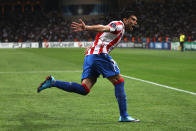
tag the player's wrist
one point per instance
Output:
(85, 28)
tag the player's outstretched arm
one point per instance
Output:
(83, 27)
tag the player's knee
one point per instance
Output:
(86, 89)
(118, 81)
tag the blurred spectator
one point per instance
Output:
(157, 22)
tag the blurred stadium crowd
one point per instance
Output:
(157, 22)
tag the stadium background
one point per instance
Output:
(159, 25)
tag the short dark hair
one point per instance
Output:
(126, 14)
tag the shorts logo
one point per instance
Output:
(114, 64)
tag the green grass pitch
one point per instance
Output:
(158, 108)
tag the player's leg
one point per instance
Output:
(89, 77)
(118, 83)
(182, 46)
(109, 69)
(89, 82)
(83, 88)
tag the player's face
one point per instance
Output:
(131, 22)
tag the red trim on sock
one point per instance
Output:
(119, 81)
(86, 88)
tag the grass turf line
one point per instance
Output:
(161, 109)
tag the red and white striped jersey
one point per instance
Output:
(106, 41)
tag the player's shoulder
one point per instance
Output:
(117, 22)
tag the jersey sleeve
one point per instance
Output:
(115, 26)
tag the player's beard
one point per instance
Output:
(131, 28)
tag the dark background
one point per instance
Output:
(40, 20)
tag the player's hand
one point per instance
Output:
(78, 26)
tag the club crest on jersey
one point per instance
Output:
(113, 25)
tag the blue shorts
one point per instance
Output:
(97, 64)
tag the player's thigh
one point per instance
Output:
(89, 82)
(107, 66)
(115, 78)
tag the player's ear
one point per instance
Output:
(125, 20)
